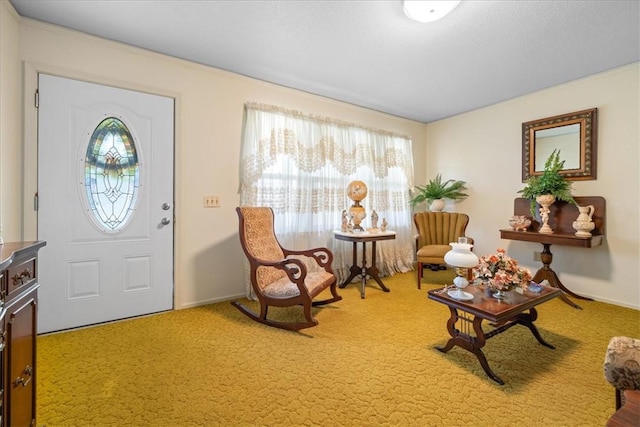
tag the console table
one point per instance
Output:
(372, 270)
(561, 220)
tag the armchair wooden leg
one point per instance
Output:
(419, 275)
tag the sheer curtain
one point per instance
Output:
(300, 165)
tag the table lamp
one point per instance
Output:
(357, 191)
(461, 257)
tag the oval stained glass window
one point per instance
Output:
(111, 175)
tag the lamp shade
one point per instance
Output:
(461, 256)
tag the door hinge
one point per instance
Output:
(35, 202)
(36, 99)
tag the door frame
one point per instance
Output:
(29, 230)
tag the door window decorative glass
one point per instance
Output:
(111, 174)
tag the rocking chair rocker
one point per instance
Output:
(278, 279)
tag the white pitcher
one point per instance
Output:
(583, 224)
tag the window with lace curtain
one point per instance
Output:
(300, 165)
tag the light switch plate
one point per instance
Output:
(211, 201)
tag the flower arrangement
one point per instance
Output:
(501, 271)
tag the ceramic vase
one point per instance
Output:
(545, 200)
(437, 205)
(583, 224)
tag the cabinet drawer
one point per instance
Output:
(20, 276)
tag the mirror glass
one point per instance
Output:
(573, 135)
(564, 138)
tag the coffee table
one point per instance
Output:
(465, 323)
(363, 269)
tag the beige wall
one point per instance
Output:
(10, 123)
(209, 111)
(484, 148)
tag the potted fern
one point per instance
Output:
(435, 191)
(545, 189)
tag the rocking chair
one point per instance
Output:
(278, 279)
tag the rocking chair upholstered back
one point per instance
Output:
(279, 277)
(261, 243)
(435, 231)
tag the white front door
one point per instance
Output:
(105, 203)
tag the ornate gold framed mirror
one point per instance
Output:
(573, 134)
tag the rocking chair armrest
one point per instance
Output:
(296, 272)
(322, 256)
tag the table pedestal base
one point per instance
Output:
(363, 270)
(545, 272)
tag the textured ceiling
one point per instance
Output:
(367, 52)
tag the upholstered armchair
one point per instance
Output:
(622, 366)
(435, 231)
(279, 276)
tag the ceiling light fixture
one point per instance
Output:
(428, 10)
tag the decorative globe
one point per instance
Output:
(357, 190)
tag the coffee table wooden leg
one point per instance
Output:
(469, 343)
(485, 365)
(476, 346)
(527, 320)
(451, 328)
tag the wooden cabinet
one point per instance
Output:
(18, 328)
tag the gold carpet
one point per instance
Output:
(369, 362)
